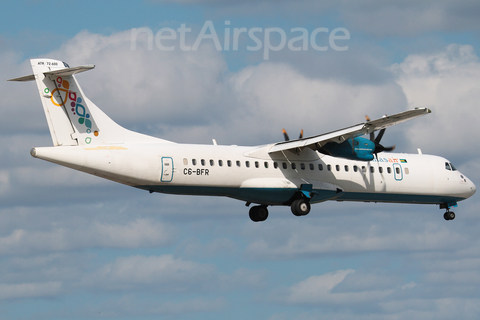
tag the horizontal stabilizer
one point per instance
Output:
(69, 71)
(61, 73)
(25, 78)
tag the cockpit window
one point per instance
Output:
(447, 166)
(453, 167)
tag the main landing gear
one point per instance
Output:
(449, 215)
(258, 213)
(300, 207)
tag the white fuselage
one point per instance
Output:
(253, 175)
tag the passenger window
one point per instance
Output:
(256, 164)
(380, 169)
(266, 164)
(247, 164)
(302, 166)
(337, 167)
(220, 163)
(312, 167)
(320, 167)
(329, 167)
(447, 166)
(355, 168)
(284, 165)
(229, 163)
(372, 169)
(346, 168)
(194, 162)
(407, 171)
(389, 170)
(275, 165)
(364, 169)
(294, 166)
(397, 169)
(185, 161)
(238, 163)
(202, 162)
(212, 162)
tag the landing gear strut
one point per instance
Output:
(258, 213)
(300, 207)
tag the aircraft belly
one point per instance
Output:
(397, 198)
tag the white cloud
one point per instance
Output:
(195, 248)
(30, 290)
(168, 274)
(141, 84)
(130, 305)
(448, 82)
(290, 239)
(325, 289)
(163, 273)
(442, 309)
(134, 234)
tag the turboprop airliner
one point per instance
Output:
(348, 164)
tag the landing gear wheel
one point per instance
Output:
(300, 207)
(258, 213)
(449, 215)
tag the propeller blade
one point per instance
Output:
(301, 134)
(380, 135)
(285, 134)
(378, 146)
(388, 149)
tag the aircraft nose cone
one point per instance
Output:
(473, 189)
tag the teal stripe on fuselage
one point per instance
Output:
(277, 196)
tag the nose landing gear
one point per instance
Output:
(449, 215)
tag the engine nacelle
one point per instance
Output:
(354, 149)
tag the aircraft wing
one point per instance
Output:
(342, 135)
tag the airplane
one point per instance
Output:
(341, 165)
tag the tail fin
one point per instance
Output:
(72, 118)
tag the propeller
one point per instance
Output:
(285, 134)
(376, 141)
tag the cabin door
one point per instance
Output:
(397, 171)
(167, 169)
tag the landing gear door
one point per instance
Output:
(167, 169)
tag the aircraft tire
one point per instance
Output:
(258, 213)
(449, 215)
(300, 207)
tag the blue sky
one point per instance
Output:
(74, 246)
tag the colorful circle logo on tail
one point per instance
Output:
(76, 105)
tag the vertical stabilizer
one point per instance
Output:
(72, 118)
